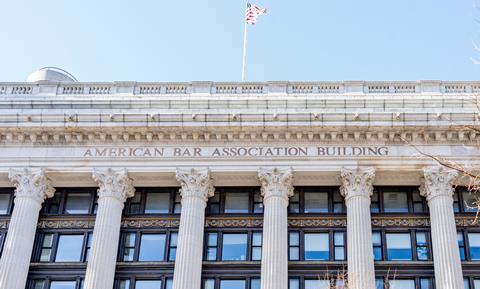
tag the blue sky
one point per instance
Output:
(183, 40)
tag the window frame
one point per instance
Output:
(331, 245)
(413, 243)
(416, 279)
(62, 194)
(173, 203)
(409, 190)
(136, 251)
(87, 235)
(49, 279)
(140, 277)
(219, 247)
(331, 202)
(217, 279)
(222, 191)
(466, 242)
(11, 193)
(460, 201)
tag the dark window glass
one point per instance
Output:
(38, 284)
(172, 254)
(375, 202)
(422, 246)
(339, 245)
(461, 246)
(257, 202)
(4, 203)
(399, 246)
(78, 203)
(316, 202)
(157, 203)
(294, 204)
(232, 284)
(69, 248)
(46, 248)
(474, 243)
(152, 247)
(212, 242)
(395, 202)
(338, 203)
(214, 204)
(456, 202)
(469, 202)
(294, 246)
(177, 206)
(377, 246)
(129, 247)
(418, 203)
(236, 202)
(135, 204)
(63, 284)
(234, 247)
(316, 246)
(256, 246)
(148, 284)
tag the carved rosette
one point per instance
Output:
(113, 183)
(31, 183)
(195, 183)
(437, 181)
(276, 182)
(357, 182)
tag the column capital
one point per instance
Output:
(276, 182)
(195, 183)
(357, 182)
(31, 183)
(437, 181)
(113, 183)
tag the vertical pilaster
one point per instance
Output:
(32, 188)
(277, 187)
(114, 188)
(438, 189)
(197, 187)
(357, 189)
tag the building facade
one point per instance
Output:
(203, 185)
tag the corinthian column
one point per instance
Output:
(32, 188)
(114, 188)
(438, 190)
(197, 187)
(357, 189)
(277, 187)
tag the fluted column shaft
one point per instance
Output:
(276, 189)
(357, 189)
(114, 188)
(32, 189)
(446, 257)
(196, 188)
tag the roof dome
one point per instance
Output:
(54, 74)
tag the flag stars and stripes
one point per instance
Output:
(252, 13)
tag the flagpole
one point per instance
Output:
(244, 64)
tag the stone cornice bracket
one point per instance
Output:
(437, 181)
(276, 182)
(31, 183)
(357, 182)
(113, 183)
(195, 183)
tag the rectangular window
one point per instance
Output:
(148, 284)
(129, 247)
(157, 203)
(78, 203)
(152, 247)
(418, 203)
(339, 246)
(135, 204)
(69, 248)
(399, 246)
(4, 203)
(466, 283)
(88, 246)
(395, 202)
(236, 203)
(456, 202)
(375, 202)
(402, 284)
(294, 246)
(124, 284)
(476, 283)
(316, 246)
(426, 283)
(254, 283)
(422, 246)
(293, 283)
(234, 247)
(317, 284)
(212, 242)
(256, 246)
(294, 203)
(474, 245)
(232, 284)
(46, 248)
(177, 206)
(172, 252)
(209, 284)
(377, 246)
(63, 284)
(469, 202)
(213, 206)
(461, 246)
(316, 202)
(257, 202)
(338, 203)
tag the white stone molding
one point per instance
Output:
(32, 187)
(196, 188)
(438, 189)
(357, 187)
(357, 182)
(31, 183)
(195, 183)
(276, 182)
(114, 188)
(277, 187)
(113, 183)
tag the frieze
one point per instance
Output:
(66, 223)
(401, 222)
(237, 223)
(130, 223)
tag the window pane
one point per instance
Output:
(317, 284)
(294, 239)
(212, 239)
(125, 284)
(399, 246)
(152, 247)
(148, 284)
(234, 247)
(69, 248)
(476, 284)
(157, 203)
(339, 239)
(38, 284)
(395, 202)
(212, 254)
(4, 202)
(339, 253)
(402, 284)
(316, 202)
(425, 283)
(62, 284)
(209, 284)
(256, 253)
(232, 284)
(78, 203)
(466, 284)
(461, 246)
(316, 246)
(378, 283)
(294, 253)
(169, 283)
(469, 201)
(45, 255)
(294, 284)
(474, 241)
(236, 203)
(255, 283)
(257, 239)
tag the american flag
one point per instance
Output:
(252, 13)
